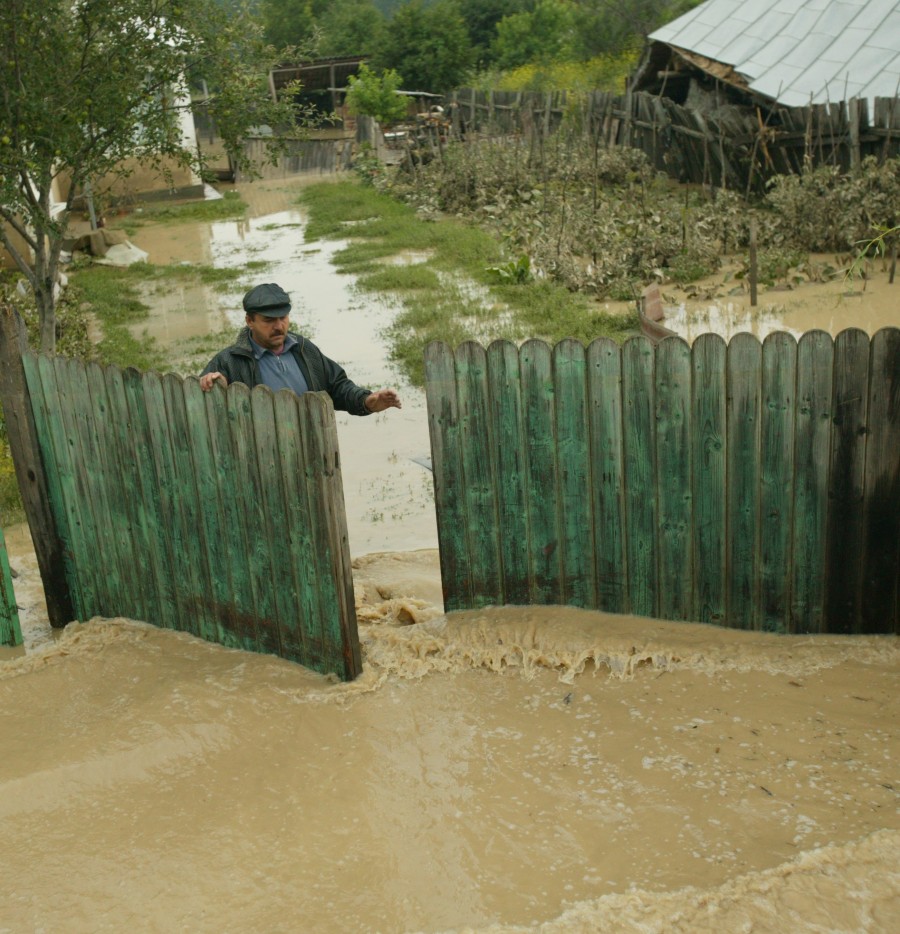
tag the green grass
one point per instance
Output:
(113, 295)
(229, 206)
(452, 295)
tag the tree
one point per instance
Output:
(481, 18)
(376, 95)
(545, 35)
(86, 85)
(428, 46)
(350, 27)
(292, 22)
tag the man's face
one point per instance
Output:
(268, 332)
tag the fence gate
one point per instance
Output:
(752, 485)
(220, 514)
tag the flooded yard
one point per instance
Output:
(500, 771)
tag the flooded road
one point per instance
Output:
(388, 494)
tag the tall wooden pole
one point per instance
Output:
(23, 442)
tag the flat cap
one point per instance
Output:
(267, 299)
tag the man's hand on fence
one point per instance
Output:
(208, 379)
(383, 399)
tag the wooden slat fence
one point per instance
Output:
(10, 630)
(220, 514)
(752, 485)
(735, 147)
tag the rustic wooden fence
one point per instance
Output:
(752, 485)
(730, 146)
(220, 514)
(10, 631)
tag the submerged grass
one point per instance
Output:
(113, 295)
(450, 293)
(230, 205)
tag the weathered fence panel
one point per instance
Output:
(10, 629)
(220, 514)
(729, 146)
(749, 485)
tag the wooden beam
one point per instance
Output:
(33, 486)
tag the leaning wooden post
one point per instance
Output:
(10, 629)
(23, 443)
(754, 271)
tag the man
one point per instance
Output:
(267, 353)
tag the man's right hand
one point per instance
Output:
(208, 380)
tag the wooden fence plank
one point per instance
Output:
(446, 458)
(608, 477)
(846, 480)
(777, 430)
(641, 507)
(94, 485)
(10, 628)
(140, 498)
(172, 532)
(574, 471)
(674, 431)
(219, 418)
(60, 451)
(160, 561)
(743, 387)
(59, 516)
(815, 359)
(541, 482)
(881, 530)
(216, 541)
(194, 574)
(123, 560)
(505, 391)
(338, 616)
(75, 412)
(301, 636)
(479, 500)
(254, 564)
(273, 507)
(31, 473)
(708, 400)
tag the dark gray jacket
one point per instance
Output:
(238, 365)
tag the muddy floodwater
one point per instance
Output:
(514, 769)
(507, 770)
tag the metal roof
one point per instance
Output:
(798, 52)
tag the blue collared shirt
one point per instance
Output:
(280, 371)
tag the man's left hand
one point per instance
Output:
(383, 399)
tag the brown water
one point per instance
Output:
(515, 769)
(488, 771)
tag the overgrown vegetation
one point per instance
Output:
(603, 222)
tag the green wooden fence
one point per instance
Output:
(220, 514)
(10, 631)
(752, 485)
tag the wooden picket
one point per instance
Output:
(752, 485)
(220, 514)
(10, 629)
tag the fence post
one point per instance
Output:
(10, 630)
(23, 443)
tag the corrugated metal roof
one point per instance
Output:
(798, 51)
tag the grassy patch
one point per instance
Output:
(229, 206)
(451, 296)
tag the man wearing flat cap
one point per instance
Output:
(267, 353)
